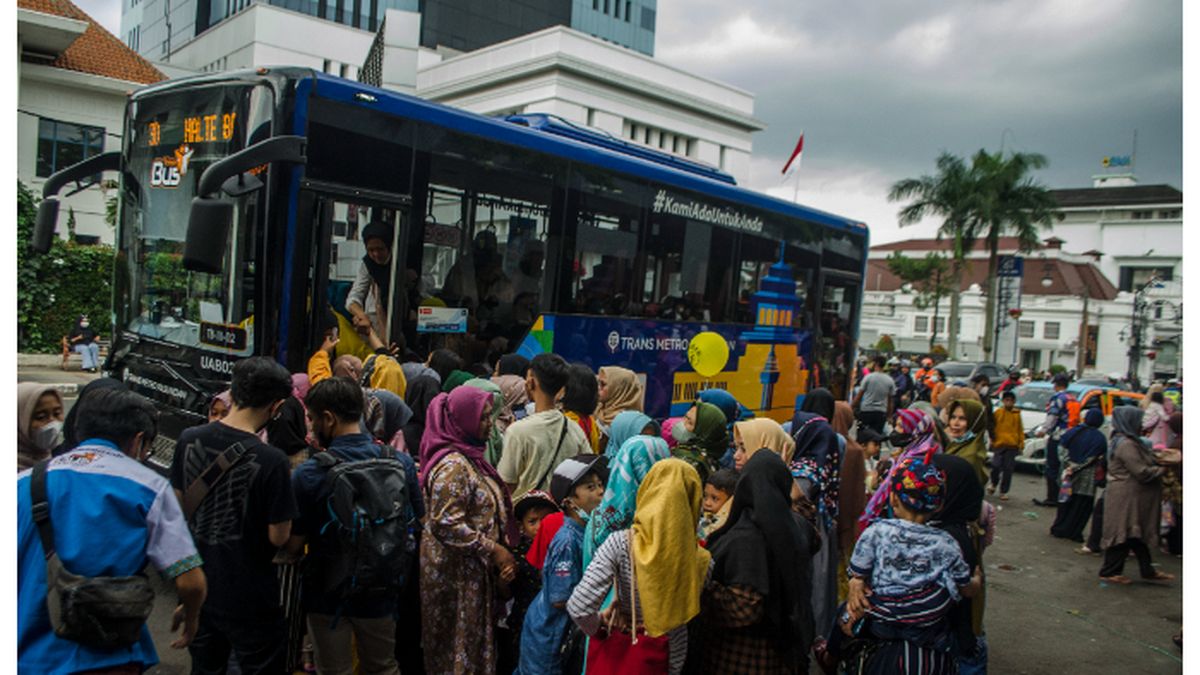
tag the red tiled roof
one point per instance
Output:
(1006, 244)
(96, 51)
(1066, 278)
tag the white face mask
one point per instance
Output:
(84, 324)
(50, 436)
(681, 433)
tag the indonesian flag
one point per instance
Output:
(793, 162)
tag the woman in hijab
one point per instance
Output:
(620, 390)
(83, 341)
(70, 438)
(1173, 490)
(1086, 446)
(817, 459)
(761, 433)
(625, 426)
(510, 377)
(703, 438)
(220, 405)
(658, 569)
(626, 470)
(959, 517)
(1154, 424)
(367, 300)
(39, 423)
(1132, 499)
(734, 412)
(469, 524)
(495, 440)
(916, 433)
(820, 402)
(455, 379)
(852, 489)
(418, 395)
(755, 614)
(966, 434)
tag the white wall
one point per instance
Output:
(265, 35)
(69, 96)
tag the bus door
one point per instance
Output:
(357, 242)
(838, 315)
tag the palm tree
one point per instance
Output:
(950, 194)
(1007, 201)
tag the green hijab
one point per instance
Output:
(972, 446)
(456, 378)
(495, 441)
(709, 441)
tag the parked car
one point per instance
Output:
(964, 370)
(1032, 399)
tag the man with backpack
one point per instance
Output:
(236, 493)
(360, 506)
(98, 513)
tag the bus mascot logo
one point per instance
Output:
(166, 172)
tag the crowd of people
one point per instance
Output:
(527, 516)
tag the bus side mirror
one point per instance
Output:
(43, 227)
(208, 229)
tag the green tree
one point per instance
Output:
(54, 288)
(931, 279)
(885, 344)
(948, 194)
(1007, 201)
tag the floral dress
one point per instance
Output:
(464, 522)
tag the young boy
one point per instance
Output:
(871, 442)
(1009, 440)
(530, 510)
(717, 492)
(578, 486)
(905, 576)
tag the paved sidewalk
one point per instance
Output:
(45, 369)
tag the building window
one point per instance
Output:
(606, 6)
(940, 325)
(1050, 330)
(343, 70)
(61, 144)
(628, 6)
(1133, 278)
(647, 19)
(1141, 215)
(1025, 329)
(1170, 215)
(326, 66)
(920, 324)
(596, 5)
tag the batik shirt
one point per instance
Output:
(897, 556)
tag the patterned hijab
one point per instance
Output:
(922, 429)
(626, 470)
(623, 392)
(918, 484)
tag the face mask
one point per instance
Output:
(681, 433)
(49, 436)
(933, 378)
(965, 438)
(899, 440)
(84, 324)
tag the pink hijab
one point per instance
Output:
(452, 424)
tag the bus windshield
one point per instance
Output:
(172, 139)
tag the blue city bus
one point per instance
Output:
(243, 196)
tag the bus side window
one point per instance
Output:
(608, 221)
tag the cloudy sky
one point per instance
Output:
(880, 88)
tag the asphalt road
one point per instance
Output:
(1047, 611)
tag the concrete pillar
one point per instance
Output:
(401, 40)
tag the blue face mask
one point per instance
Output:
(966, 438)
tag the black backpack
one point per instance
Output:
(370, 513)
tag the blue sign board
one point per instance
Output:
(1010, 266)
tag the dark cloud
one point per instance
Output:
(880, 88)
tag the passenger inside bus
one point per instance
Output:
(367, 301)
